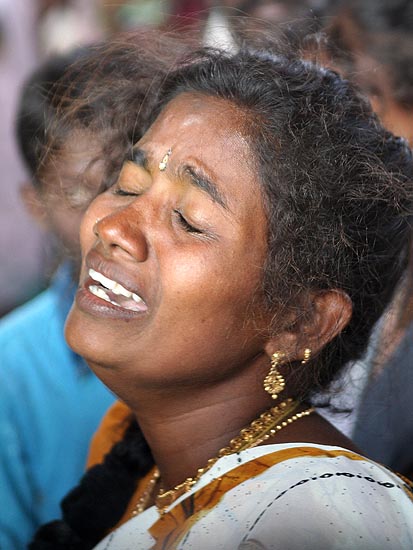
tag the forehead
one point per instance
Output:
(208, 133)
(190, 112)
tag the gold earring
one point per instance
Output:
(274, 382)
(307, 355)
(164, 162)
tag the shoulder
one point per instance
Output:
(307, 496)
(321, 465)
(286, 467)
(283, 496)
(33, 347)
(49, 306)
(337, 495)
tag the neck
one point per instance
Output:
(186, 428)
(184, 442)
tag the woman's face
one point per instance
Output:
(189, 241)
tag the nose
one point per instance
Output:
(121, 234)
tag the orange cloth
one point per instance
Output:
(110, 431)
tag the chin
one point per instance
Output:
(81, 338)
(70, 330)
(92, 341)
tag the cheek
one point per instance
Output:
(208, 283)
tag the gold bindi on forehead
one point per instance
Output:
(164, 162)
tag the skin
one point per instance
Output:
(67, 185)
(394, 116)
(199, 352)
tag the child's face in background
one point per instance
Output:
(69, 181)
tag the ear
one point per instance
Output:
(34, 204)
(327, 313)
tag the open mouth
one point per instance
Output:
(114, 293)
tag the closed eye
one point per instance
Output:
(185, 224)
(123, 192)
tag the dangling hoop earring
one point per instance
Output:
(274, 382)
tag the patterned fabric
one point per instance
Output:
(284, 497)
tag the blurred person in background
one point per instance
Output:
(65, 24)
(22, 272)
(119, 15)
(50, 402)
(23, 45)
(36, 366)
(371, 42)
(295, 21)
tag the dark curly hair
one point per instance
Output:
(108, 90)
(337, 189)
(337, 185)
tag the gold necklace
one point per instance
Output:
(262, 428)
(146, 495)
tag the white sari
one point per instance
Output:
(281, 497)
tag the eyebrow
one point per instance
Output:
(200, 180)
(197, 177)
(138, 157)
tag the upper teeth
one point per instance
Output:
(115, 287)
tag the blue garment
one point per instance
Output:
(50, 405)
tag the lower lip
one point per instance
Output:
(91, 304)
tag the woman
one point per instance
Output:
(251, 241)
